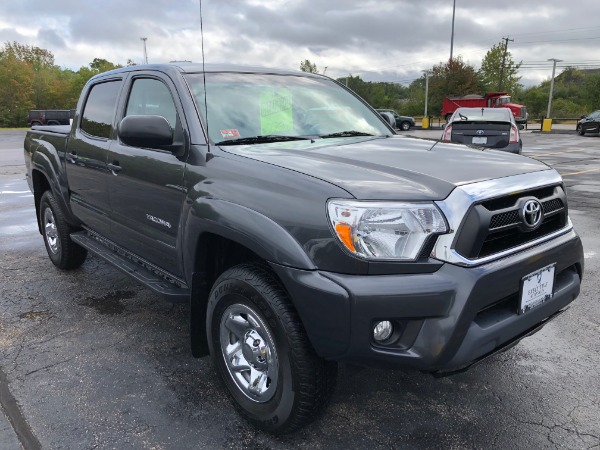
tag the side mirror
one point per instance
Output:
(145, 131)
(583, 117)
(521, 126)
(389, 118)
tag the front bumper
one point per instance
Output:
(450, 318)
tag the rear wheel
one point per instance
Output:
(262, 354)
(63, 252)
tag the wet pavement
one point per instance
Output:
(94, 360)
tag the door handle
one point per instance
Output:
(72, 157)
(115, 167)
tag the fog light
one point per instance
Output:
(383, 330)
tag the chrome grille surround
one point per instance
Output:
(456, 206)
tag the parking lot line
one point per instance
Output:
(577, 173)
(559, 153)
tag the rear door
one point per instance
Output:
(87, 149)
(146, 185)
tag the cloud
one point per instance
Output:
(390, 40)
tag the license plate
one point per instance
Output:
(479, 140)
(536, 288)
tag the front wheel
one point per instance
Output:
(580, 130)
(405, 126)
(63, 252)
(262, 354)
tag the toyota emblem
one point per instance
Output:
(479, 132)
(532, 214)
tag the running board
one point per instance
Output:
(147, 277)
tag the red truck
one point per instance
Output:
(489, 100)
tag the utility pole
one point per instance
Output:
(552, 85)
(144, 39)
(504, 61)
(452, 35)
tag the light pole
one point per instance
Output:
(547, 123)
(552, 84)
(144, 39)
(425, 122)
(452, 35)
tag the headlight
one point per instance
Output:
(385, 230)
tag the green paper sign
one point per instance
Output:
(276, 112)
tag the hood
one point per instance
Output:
(393, 168)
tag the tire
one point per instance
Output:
(254, 333)
(580, 131)
(405, 126)
(63, 252)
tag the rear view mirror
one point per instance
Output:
(145, 131)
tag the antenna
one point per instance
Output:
(204, 79)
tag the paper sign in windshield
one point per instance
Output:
(276, 112)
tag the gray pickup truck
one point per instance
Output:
(301, 229)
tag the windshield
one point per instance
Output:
(250, 105)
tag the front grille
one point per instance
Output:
(504, 219)
(523, 112)
(495, 225)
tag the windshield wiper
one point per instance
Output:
(346, 134)
(262, 139)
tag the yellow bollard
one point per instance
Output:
(547, 125)
(425, 123)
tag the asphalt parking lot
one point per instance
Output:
(89, 359)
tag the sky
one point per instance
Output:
(378, 40)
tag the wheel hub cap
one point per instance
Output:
(249, 352)
(51, 231)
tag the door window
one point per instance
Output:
(151, 97)
(99, 109)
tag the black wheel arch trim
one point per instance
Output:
(46, 162)
(244, 226)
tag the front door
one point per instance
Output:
(146, 185)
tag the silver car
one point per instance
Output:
(493, 128)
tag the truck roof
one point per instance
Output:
(189, 67)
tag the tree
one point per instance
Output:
(307, 66)
(454, 78)
(16, 89)
(98, 65)
(41, 62)
(492, 68)
(37, 58)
